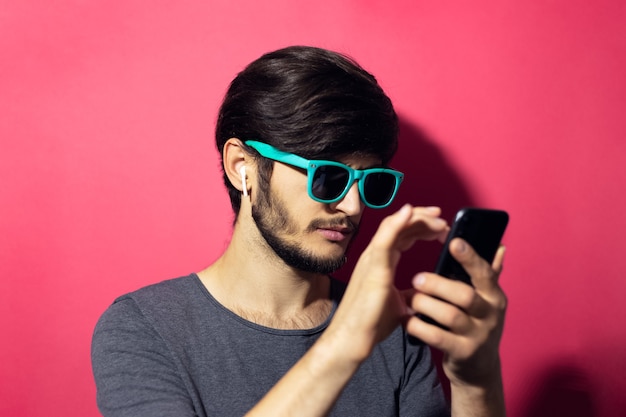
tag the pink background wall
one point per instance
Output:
(109, 178)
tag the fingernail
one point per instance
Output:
(419, 280)
(405, 208)
(440, 222)
(461, 246)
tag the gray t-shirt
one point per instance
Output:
(171, 349)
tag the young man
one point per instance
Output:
(305, 136)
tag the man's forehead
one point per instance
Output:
(360, 160)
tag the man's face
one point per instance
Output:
(305, 234)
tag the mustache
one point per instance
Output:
(343, 222)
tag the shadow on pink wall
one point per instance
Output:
(562, 390)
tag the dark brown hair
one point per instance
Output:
(309, 101)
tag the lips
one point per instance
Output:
(336, 233)
(338, 230)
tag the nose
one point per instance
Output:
(351, 204)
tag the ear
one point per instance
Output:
(238, 165)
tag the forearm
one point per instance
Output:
(313, 384)
(479, 400)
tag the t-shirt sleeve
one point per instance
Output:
(133, 367)
(422, 388)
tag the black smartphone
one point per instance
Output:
(482, 229)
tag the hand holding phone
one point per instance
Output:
(480, 228)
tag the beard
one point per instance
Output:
(272, 219)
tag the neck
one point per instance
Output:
(252, 281)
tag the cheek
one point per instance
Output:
(299, 209)
(289, 183)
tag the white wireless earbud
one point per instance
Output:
(244, 185)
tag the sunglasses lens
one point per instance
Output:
(379, 188)
(329, 181)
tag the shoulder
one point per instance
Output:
(140, 309)
(164, 291)
(155, 318)
(167, 296)
(131, 344)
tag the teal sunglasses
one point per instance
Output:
(329, 181)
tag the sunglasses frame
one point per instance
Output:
(270, 152)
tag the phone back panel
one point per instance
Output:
(482, 229)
